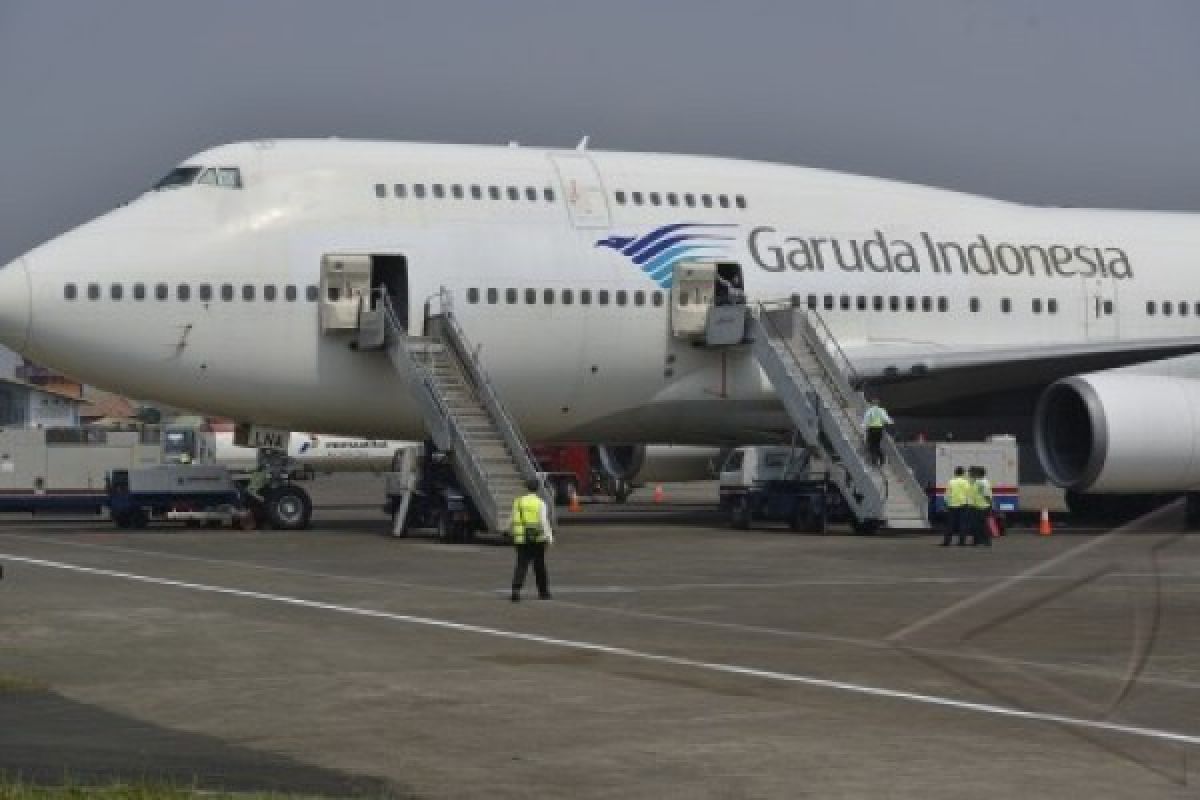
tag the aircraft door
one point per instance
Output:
(693, 294)
(582, 190)
(345, 281)
(1100, 309)
(389, 275)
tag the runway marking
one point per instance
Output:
(593, 647)
(809, 636)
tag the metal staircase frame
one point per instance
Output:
(835, 420)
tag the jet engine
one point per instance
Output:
(658, 463)
(1120, 432)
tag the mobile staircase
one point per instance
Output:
(815, 381)
(462, 410)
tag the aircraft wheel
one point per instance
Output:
(739, 515)
(288, 508)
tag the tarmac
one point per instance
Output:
(678, 659)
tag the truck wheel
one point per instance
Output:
(739, 514)
(139, 518)
(865, 527)
(288, 508)
(122, 519)
(450, 531)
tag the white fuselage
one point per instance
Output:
(898, 271)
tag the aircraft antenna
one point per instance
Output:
(583, 143)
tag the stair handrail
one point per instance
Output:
(459, 444)
(488, 394)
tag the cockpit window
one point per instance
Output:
(180, 176)
(223, 177)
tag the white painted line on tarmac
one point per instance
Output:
(678, 661)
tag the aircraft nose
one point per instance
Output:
(15, 301)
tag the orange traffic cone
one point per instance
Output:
(659, 496)
(1044, 528)
(573, 502)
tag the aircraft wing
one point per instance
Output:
(913, 374)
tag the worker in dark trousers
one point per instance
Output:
(981, 492)
(532, 535)
(958, 489)
(874, 420)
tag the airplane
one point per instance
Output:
(1076, 327)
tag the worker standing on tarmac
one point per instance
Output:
(958, 489)
(532, 535)
(874, 420)
(981, 496)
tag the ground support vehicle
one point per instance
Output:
(778, 484)
(933, 465)
(423, 491)
(192, 493)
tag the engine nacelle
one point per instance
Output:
(658, 463)
(1120, 432)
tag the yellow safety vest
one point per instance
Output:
(982, 494)
(957, 489)
(527, 518)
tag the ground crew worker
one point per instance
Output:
(958, 489)
(531, 534)
(981, 495)
(874, 419)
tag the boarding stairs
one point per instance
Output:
(815, 381)
(462, 410)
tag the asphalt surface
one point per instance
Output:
(679, 659)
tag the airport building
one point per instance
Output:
(24, 405)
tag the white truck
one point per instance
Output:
(778, 484)
(933, 465)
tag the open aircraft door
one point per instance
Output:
(693, 292)
(582, 190)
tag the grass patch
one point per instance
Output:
(16, 790)
(14, 683)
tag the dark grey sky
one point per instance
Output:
(1073, 102)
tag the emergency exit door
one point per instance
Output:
(582, 190)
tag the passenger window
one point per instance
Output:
(861, 303)
(655, 198)
(1052, 305)
(585, 297)
(476, 192)
(844, 302)
(689, 200)
(311, 293)
(116, 291)
(457, 191)
(380, 189)
(812, 301)
(723, 201)
(672, 199)
(602, 297)
(622, 297)
(510, 296)
(513, 193)
(531, 297)
(1183, 309)
(740, 201)
(248, 292)
(93, 291)
(568, 297)
(829, 302)
(400, 190)
(289, 293)
(639, 298)
(1166, 308)
(494, 192)
(548, 297)
(910, 303)
(943, 304)
(620, 195)
(472, 295)
(927, 304)
(204, 292)
(637, 198)
(706, 200)
(183, 292)
(161, 291)
(439, 191)
(1150, 308)
(493, 296)
(877, 302)
(894, 303)
(548, 194)
(139, 291)
(69, 291)
(974, 306)
(1005, 305)
(419, 191)
(531, 194)
(658, 299)
(227, 292)
(1037, 305)
(269, 292)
